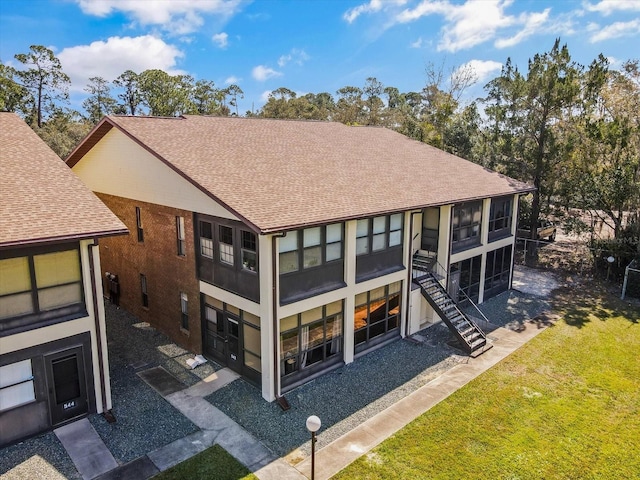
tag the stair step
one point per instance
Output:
(478, 343)
(467, 330)
(470, 338)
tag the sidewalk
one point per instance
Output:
(340, 453)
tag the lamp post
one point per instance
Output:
(313, 425)
(610, 260)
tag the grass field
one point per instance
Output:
(564, 406)
(214, 463)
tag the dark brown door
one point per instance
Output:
(222, 340)
(67, 385)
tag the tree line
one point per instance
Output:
(570, 130)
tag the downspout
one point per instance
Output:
(274, 292)
(410, 275)
(108, 415)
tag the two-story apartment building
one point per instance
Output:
(53, 348)
(283, 249)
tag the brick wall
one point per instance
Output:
(157, 258)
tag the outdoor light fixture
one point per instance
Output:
(610, 260)
(313, 425)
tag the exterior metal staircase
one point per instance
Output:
(470, 336)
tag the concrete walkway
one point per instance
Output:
(340, 453)
(85, 447)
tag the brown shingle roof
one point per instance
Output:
(41, 199)
(280, 174)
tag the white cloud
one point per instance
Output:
(482, 68)
(353, 13)
(221, 39)
(265, 96)
(417, 43)
(607, 7)
(296, 56)
(176, 16)
(532, 24)
(474, 22)
(617, 30)
(262, 73)
(111, 58)
(372, 6)
(232, 80)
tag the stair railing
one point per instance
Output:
(440, 273)
(477, 308)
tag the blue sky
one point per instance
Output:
(312, 45)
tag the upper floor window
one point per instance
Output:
(139, 225)
(500, 217)
(180, 236)
(311, 247)
(225, 244)
(379, 233)
(40, 286)
(465, 224)
(206, 239)
(249, 251)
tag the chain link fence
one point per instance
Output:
(575, 256)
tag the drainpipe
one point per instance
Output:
(108, 415)
(410, 275)
(274, 292)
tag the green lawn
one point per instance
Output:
(564, 406)
(212, 463)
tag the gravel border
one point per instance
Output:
(353, 393)
(144, 420)
(342, 398)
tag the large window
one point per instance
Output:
(498, 269)
(251, 341)
(310, 338)
(377, 314)
(379, 233)
(41, 286)
(16, 385)
(311, 247)
(500, 218)
(464, 279)
(466, 222)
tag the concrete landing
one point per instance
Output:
(86, 449)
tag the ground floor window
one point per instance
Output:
(466, 274)
(184, 311)
(310, 338)
(16, 385)
(498, 269)
(377, 314)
